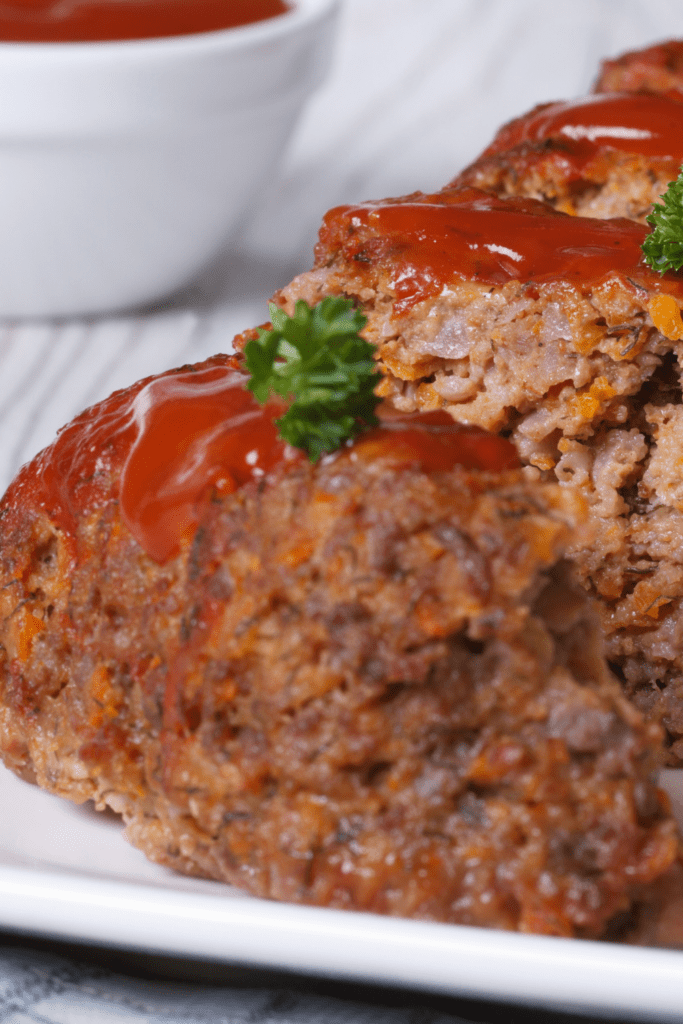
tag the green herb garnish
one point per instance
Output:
(663, 247)
(318, 362)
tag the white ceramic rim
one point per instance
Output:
(302, 14)
(572, 975)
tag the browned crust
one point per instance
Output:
(657, 68)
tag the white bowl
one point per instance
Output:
(125, 166)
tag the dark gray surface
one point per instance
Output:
(46, 982)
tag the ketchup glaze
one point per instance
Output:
(196, 433)
(164, 445)
(435, 442)
(644, 123)
(170, 444)
(77, 21)
(424, 243)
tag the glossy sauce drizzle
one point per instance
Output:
(434, 441)
(171, 444)
(196, 434)
(76, 21)
(424, 243)
(651, 125)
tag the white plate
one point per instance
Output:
(66, 872)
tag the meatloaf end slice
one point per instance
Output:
(357, 684)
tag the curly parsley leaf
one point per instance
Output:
(663, 247)
(318, 362)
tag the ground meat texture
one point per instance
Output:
(656, 917)
(602, 156)
(507, 314)
(572, 365)
(358, 684)
(657, 68)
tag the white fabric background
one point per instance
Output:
(416, 89)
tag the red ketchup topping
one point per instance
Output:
(163, 447)
(196, 434)
(76, 21)
(424, 243)
(649, 124)
(436, 442)
(166, 446)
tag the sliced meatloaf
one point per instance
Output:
(609, 155)
(548, 328)
(368, 683)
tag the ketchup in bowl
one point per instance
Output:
(79, 21)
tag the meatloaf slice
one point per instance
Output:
(610, 155)
(506, 313)
(551, 329)
(657, 68)
(368, 683)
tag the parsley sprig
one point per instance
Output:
(318, 362)
(663, 247)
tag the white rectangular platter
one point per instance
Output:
(66, 872)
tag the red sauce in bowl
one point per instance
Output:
(81, 21)
(167, 446)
